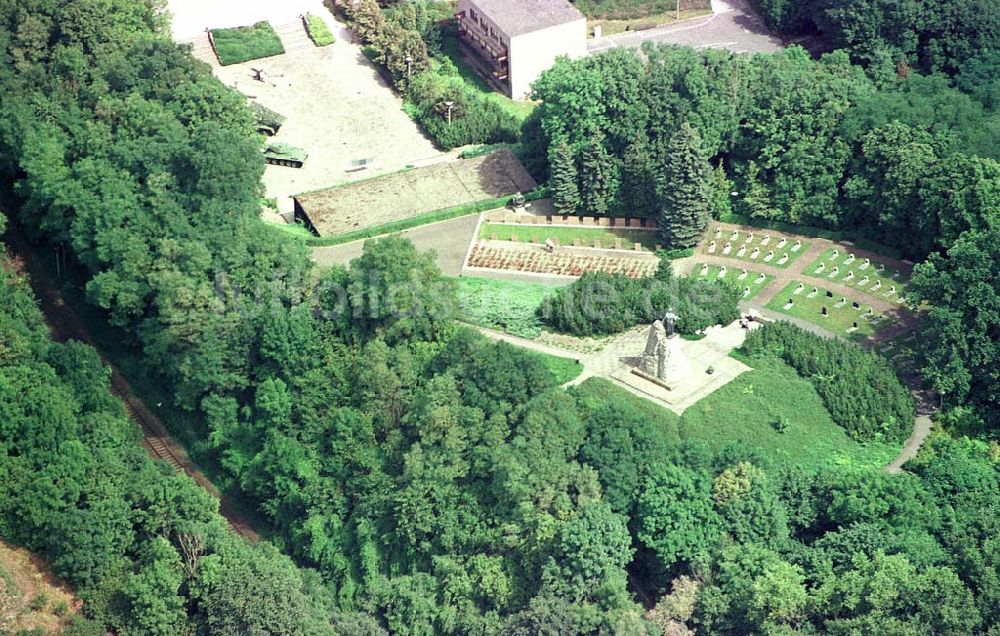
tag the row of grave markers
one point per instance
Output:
(755, 253)
(764, 241)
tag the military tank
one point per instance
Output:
(284, 155)
(268, 121)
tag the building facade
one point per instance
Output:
(514, 41)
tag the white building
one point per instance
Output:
(516, 40)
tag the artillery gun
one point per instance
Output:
(284, 155)
(268, 121)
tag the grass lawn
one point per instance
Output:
(504, 305)
(754, 281)
(566, 235)
(840, 317)
(319, 32)
(854, 272)
(241, 44)
(563, 369)
(296, 230)
(744, 411)
(742, 246)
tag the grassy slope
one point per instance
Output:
(518, 108)
(743, 412)
(25, 584)
(563, 369)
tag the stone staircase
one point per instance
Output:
(202, 50)
(293, 36)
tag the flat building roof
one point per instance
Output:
(516, 17)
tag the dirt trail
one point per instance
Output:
(65, 324)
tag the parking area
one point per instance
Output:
(733, 25)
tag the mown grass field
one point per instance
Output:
(744, 412)
(566, 235)
(755, 281)
(839, 320)
(242, 44)
(503, 305)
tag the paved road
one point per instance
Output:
(450, 239)
(733, 25)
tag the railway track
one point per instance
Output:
(152, 442)
(65, 324)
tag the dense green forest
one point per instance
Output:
(957, 37)
(145, 547)
(425, 480)
(906, 161)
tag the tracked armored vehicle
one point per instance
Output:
(284, 155)
(268, 121)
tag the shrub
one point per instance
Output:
(60, 608)
(38, 602)
(859, 389)
(319, 32)
(242, 44)
(599, 303)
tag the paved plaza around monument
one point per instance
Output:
(615, 362)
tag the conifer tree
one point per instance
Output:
(597, 176)
(686, 190)
(562, 177)
(637, 196)
(756, 200)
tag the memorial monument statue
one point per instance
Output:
(663, 358)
